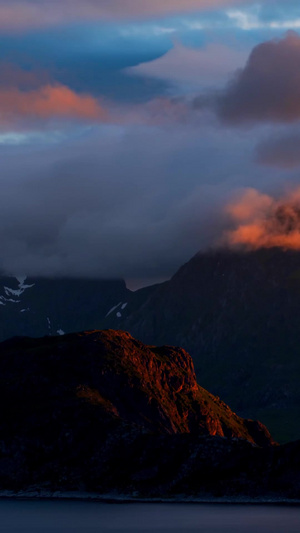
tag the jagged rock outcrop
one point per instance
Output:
(154, 388)
(94, 409)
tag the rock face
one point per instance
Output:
(85, 410)
(237, 314)
(153, 388)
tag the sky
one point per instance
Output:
(135, 133)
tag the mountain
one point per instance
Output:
(238, 315)
(40, 306)
(100, 411)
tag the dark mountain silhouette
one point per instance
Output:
(75, 407)
(100, 411)
(39, 306)
(238, 315)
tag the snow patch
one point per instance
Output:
(13, 292)
(9, 299)
(21, 279)
(16, 292)
(24, 310)
(119, 315)
(124, 305)
(60, 332)
(113, 308)
(22, 286)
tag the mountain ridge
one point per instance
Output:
(100, 412)
(42, 306)
(236, 313)
(154, 387)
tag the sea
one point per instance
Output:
(92, 517)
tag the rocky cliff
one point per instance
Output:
(100, 409)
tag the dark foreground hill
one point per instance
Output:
(101, 411)
(238, 315)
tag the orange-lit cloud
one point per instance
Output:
(262, 221)
(47, 102)
(18, 14)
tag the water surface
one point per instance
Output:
(88, 517)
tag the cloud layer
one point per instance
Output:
(194, 67)
(115, 201)
(106, 169)
(262, 221)
(47, 102)
(268, 88)
(282, 151)
(18, 14)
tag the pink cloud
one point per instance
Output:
(47, 102)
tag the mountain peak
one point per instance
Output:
(237, 314)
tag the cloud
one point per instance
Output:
(183, 65)
(47, 102)
(12, 75)
(116, 201)
(280, 152)
(262, 221)
(268, 88)
(20, 14)
(86, 58)
(249, 21)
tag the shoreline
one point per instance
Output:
(36, 495)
